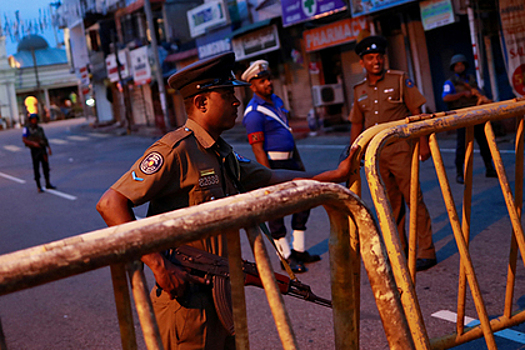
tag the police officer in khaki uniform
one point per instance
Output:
(385, 96)
(186, 167)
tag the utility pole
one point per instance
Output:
(123, 85)
(158, 68)
(41, 108)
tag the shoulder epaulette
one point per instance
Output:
(360, 82)
(396, 72)
(173, 137)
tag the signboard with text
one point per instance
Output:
(139, 59)
(112, 68)
(512, 14)
(207, 15)
(436, 13)
(297, 11)
(363, 7)
(214, 43)
(256, 43)
(336, 33)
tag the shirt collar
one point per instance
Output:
(206, 140)
(381, 78)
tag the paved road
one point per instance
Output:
(78, 313)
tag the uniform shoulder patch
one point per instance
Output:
(240, 158)
(151, 163)
(409, 83)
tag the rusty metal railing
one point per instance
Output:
(120, 246)
(374, 139)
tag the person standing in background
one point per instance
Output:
(385, 96)
(461, 91)
(35, 138)
(269, 134)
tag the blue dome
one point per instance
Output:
(32, 42)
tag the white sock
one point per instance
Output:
(299, 244)
(284, 247)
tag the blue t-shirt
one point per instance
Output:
(276, 136)
(448, 89)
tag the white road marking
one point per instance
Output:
(60, 194)
(12, 148)
(58, 142)
(93, 134)
(78, 138)
(12, 178)
(508, 333)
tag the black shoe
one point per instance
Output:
(296, 266)
(459, 179)
(305, 256)
(50, 187)
(491, 172)
(39, 189)
(425, 264)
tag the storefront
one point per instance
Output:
(333, 66)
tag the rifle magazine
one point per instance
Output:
(222, 299)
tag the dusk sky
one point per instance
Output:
(29, 11)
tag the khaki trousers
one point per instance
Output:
(394, 167)
(194, 326)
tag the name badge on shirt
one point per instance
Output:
(208, 178)
(362, 97)
(386, 91)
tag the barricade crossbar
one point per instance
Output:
(121, 246)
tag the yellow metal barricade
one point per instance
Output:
(120, 246)
(373, 139)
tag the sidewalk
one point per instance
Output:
(301, 131)
(299, 127)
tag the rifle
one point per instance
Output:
(215, 269)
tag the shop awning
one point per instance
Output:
(250, 27)
(138, 4)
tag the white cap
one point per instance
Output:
(257, 69)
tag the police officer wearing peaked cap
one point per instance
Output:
(371, 44)
(210, 74)
(186, 167)
(386, 96)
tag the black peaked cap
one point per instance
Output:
(371, 44)
(207, 74)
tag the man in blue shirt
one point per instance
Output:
(273, 145)
(461, 91)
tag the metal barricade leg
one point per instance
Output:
(123, 304)
(505, 187)
(462, 246)
(414, 203)
(144, 306)
(273, 294)
(465, 224)
(342, 280)
(518, 197)
(237, 289)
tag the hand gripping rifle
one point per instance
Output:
(215, 268)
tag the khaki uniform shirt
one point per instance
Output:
(390, 99)
(188, 167)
